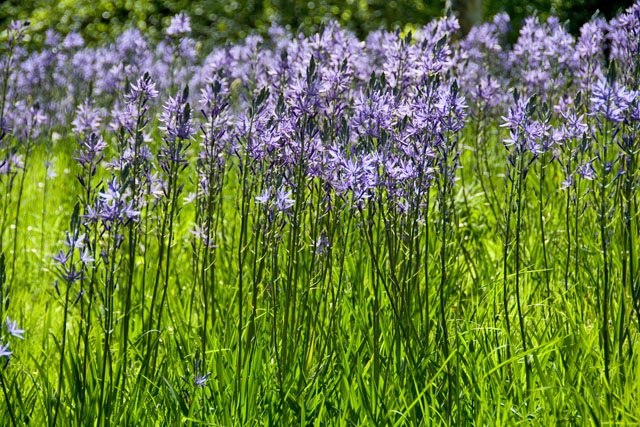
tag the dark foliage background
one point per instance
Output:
(219, 21)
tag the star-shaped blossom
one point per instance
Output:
(12, 328)
(201, 381)
(4, 351)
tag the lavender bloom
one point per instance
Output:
(13, 330)
(61, 257)
(5, 352)
(517, 114)
(586, 171)
(72, 274)
(75, 241)
(16, 32)
(525, 134)
(502, 21)
(51, 38)
(131, 115)
(124, 116)
(623, 34)
(264, 197)
(275, 203)
(635, 110)
(283, 200)
(611, 100)
(180, 24)
(86, 258)
(542, 56)
(113, 206)
(92, 215)
(201, 381)
(73, 40)
(373, 113)
(203, 234)
(589, 45)
(187, 49)
(91, 151)
(27, 121)
(451, 108)
(567, 182)
(88, 119)
(144, 88)
(112, 193)
(176, 118)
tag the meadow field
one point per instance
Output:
(418, 228)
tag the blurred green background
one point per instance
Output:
(219, 21)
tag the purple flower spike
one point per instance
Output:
(611, 100)
(180, 24)
(144, 88)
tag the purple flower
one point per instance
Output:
(4, 351)
(586, 171)
(27, 121)
(264, 197)
(201, 381)
(72, 275)
(142, 89)
(526, 134)
(52, 38)
(283, 201)
(502, 22)
(451, 108)
(75, 241)
(112, 193)
(635, 110)
(61, 257)
(180, 23)
(176, 118)
(202, 234)
(73, 40)
(86, 258)
(623, 34)
(91, 150)
(113, 206)
(12, 329)
(611, 100)
(517, 114)
(88, 119)
(16, 32)
(373, 113)
(91, 216)
(567, 182)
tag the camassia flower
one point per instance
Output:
(5, 352)
(180, 24)
(176, 118)
(281, 199)
(201, 380)
(611, 100)
(13, 330)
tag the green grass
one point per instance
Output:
(308, 353)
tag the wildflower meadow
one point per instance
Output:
(416, 228)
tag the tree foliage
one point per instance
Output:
(221, 21)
